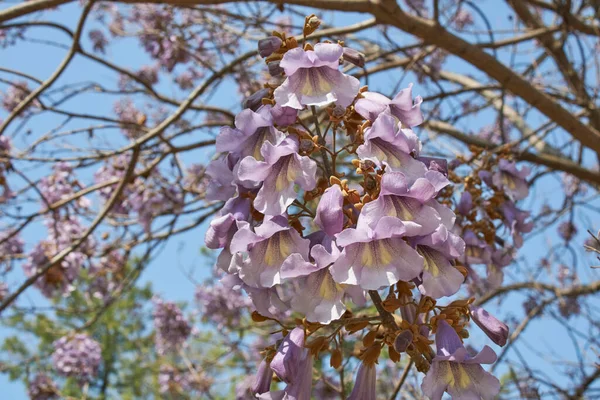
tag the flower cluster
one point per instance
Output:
(221, 304)
(42, 387)
(77, 356)
(15, 94)
(60, 185)
(5, 166)
(148, 196)
(487, 203)
(172, 329)
(11, 245)
(59, 277)
(301, 230)
(172, 381)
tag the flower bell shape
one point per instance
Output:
(515, 221)
(252, 129)
(365, 383)
(293, 365)
(375, 257)
(496, 330)
(283, 116)
(262, 381)
(281, 169)
(512, 180)
(438, 249)
(477, 251)
(221, 184)
(266, 249)
(372, 104)
(454, 371)
(387, 143)
(412, 204)
(316, 294)
(330, 213)
(314, 79)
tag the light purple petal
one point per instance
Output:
(330, 215)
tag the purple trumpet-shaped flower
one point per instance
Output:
(266, 301)
(512, 180)
(293, 365)
(477, 251)
(438, 249)
(371, 105)
(313, 78)
(364, 384)
(254, 101)
(262, 382)
(330, 213)
(495, 274)
(221, 182)
(374, 257)
(267, 248)
(412, 203)
(251, 130)
(515, 220)
(496, 330)
(283, 116)
(223, 227)
(316, 294)
(283, 167)
(385, 142)
(454, 371)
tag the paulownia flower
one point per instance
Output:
(313, 78)
(293, 365)
(386, 142)
(267, 248)
(317, 295)
(490, 325)
(372, 104)
(412, 203)
(330, 213)
(281, 169)
(440, 277)
(375, 257)
(454, 371)
(252, 129)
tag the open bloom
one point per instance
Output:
(516, 221)
(508, 178)
(374, 257)
(267, 248)
(313, 78)
(385, 142)
(438, 249)
(220, 184)
(412, 204)
(455, 371)
(293, 365)
(316, 294)
(283, 167)
(477, 251)
(251, 130)
(401, 106)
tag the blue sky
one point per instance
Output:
(167, 271)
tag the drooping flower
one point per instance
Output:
(386, 142)
(330, 214)
(316, 294)
(512, 180)
(282, 169)
(412, 203)
(267, 248)
(293, 365)
(372, 104)
(465, 204)
(221, 184)
(78, 356)
(252, 129)
(172, 329)
(262, 381)
(454, 371)
(496, 330)
(440, 278)
(477, 251)
(515, 221)
(268, 46)
(313, 78)
(284, 116)
(375, 257)
(364, 384)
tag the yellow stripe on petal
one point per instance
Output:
(385, 257)
(368, 258)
